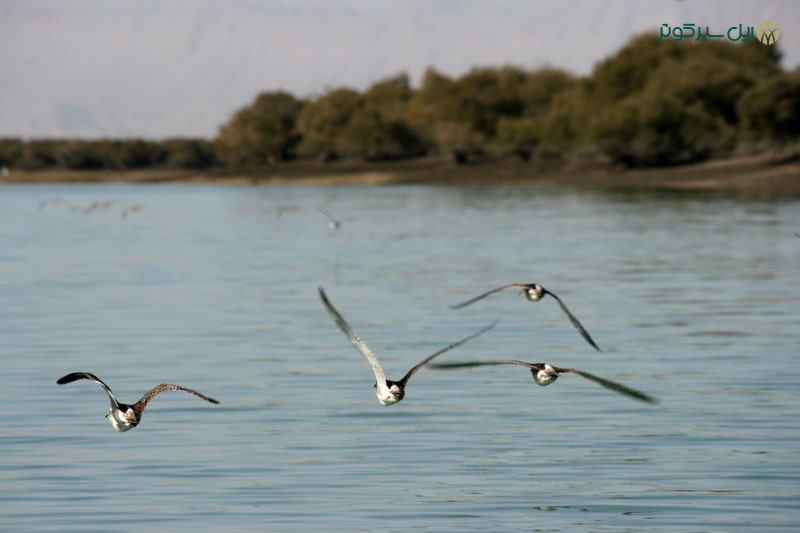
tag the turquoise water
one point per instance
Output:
(693, 298)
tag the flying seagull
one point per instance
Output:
(544, 374)
(333, 222)
(121, 415)
(388, 392)
(535, 292)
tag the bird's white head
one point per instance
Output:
(534, 293)
(391, 396)
(545, 376)
(122, 420)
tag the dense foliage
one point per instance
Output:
(652, 103)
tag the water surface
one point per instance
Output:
(693, 298)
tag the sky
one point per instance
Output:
(181, 68)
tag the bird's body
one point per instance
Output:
(122, 416)
(544, 374)
(535, 292)
(388, 392)
(392, 393)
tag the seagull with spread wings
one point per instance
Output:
(388, 392)
(544, 374)
(535, 292)
(333, 222)
(121, 415)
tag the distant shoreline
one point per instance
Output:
(763, 174)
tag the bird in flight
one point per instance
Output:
(544, 374)
(535, 292)
(121, 415)
(388, 392)
(333, 222)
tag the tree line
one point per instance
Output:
(652, 103)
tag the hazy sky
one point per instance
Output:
(160, 68)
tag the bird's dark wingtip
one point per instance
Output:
(69, 378)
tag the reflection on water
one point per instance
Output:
(692, 297)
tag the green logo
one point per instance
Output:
(768, 32)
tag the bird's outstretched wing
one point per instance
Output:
(464, 364)
(487, 293)
(74, 376)
(142, 403)
(445, 349)
(380, 377)
(574, 321)
(612, 385)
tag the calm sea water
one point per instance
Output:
(694, 299)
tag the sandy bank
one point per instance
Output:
(759, 174)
